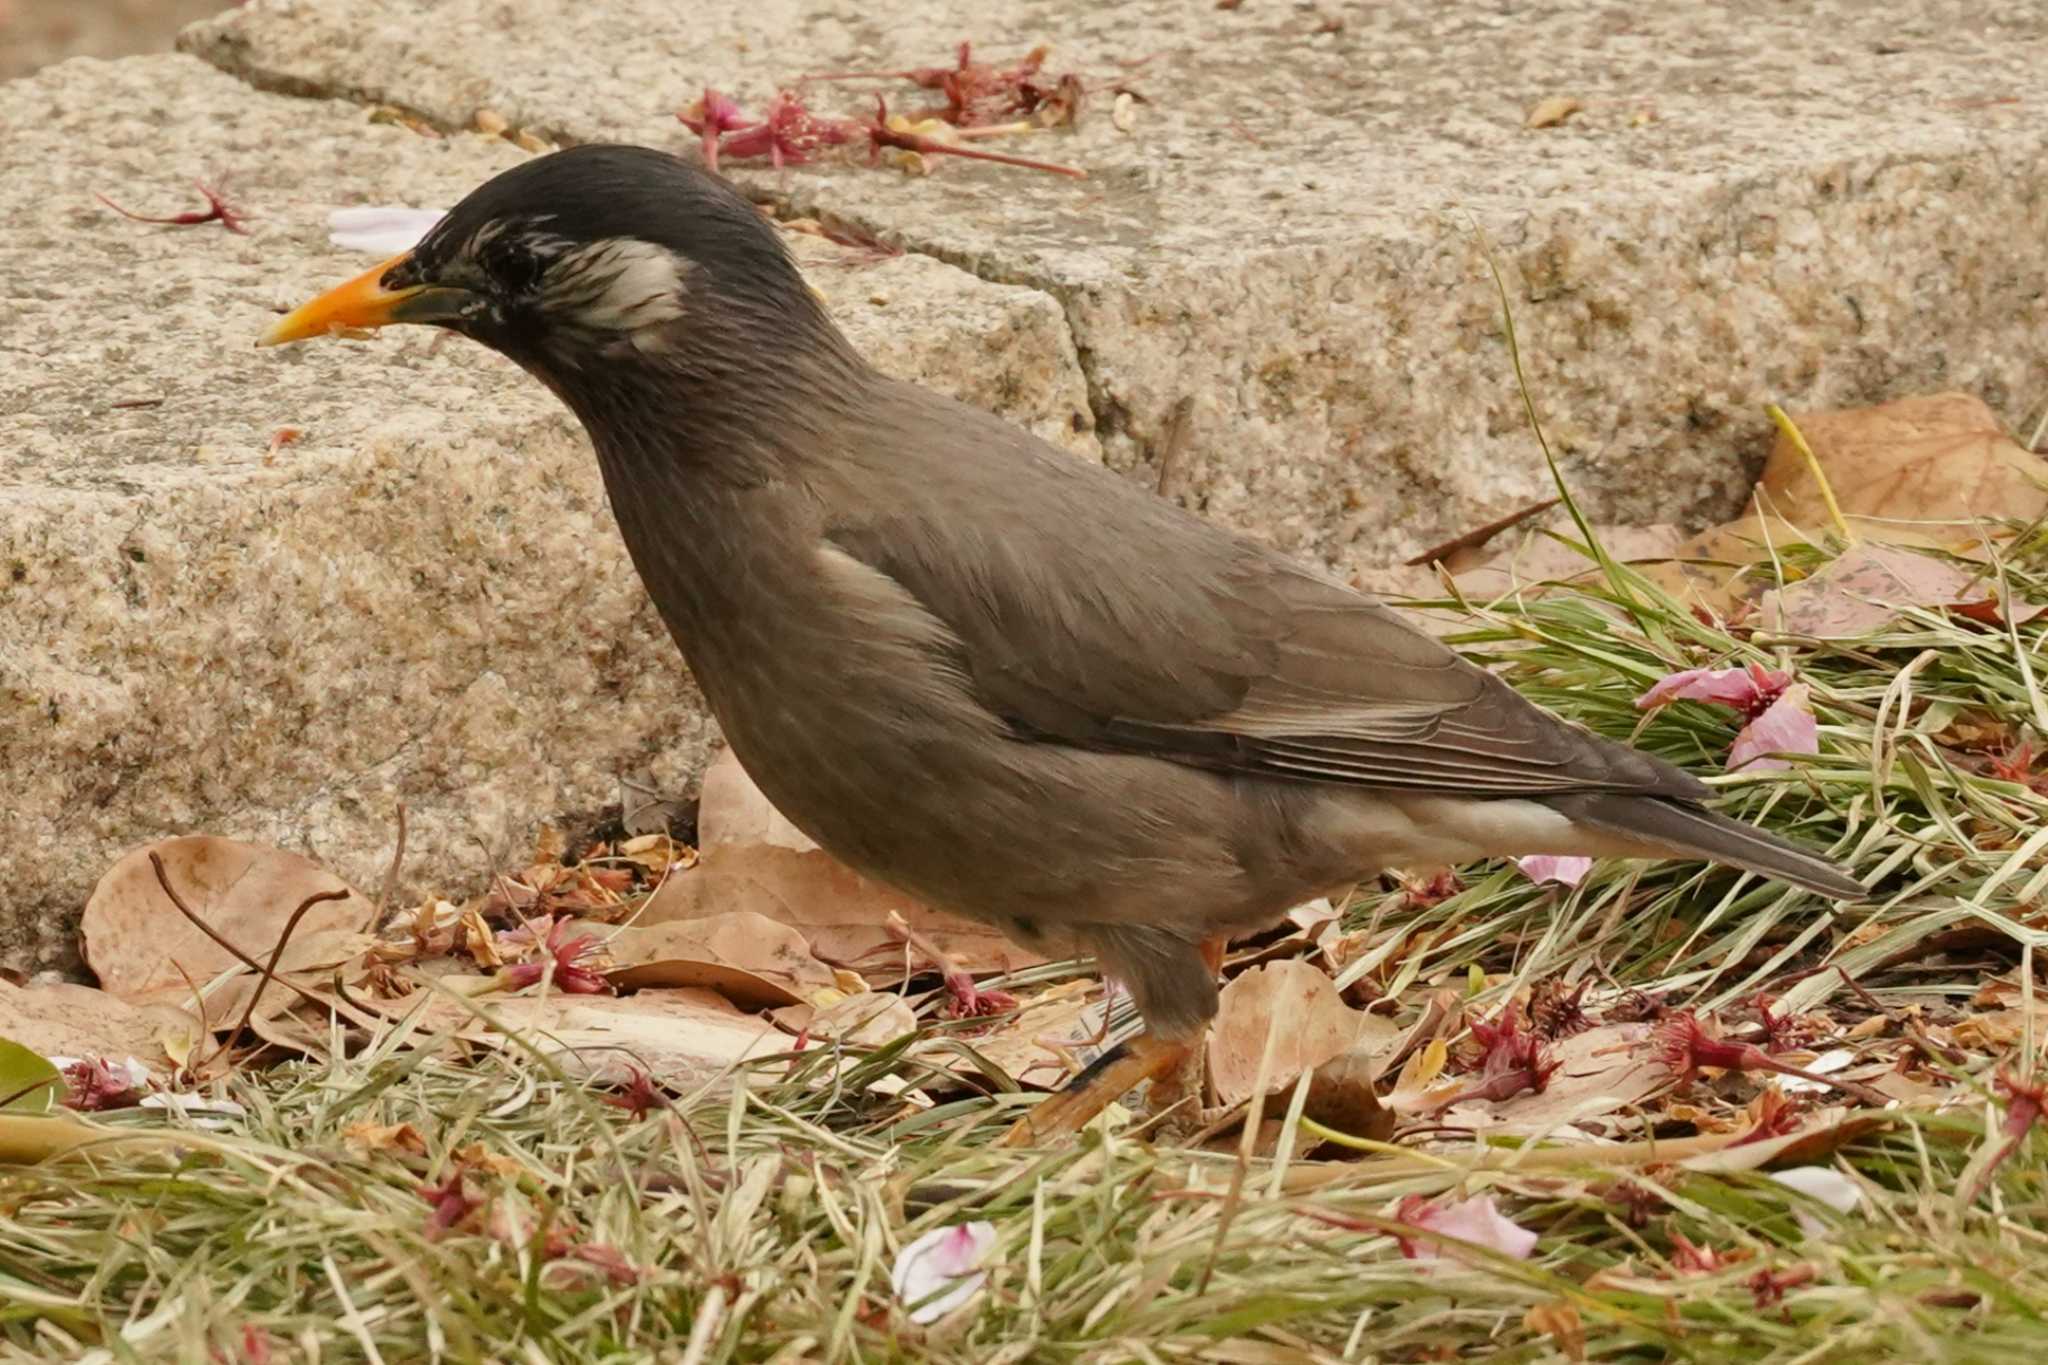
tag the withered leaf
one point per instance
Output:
(750, 959)
(1310, 1020)
(136, 941)
(1944, 457)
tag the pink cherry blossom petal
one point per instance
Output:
(1787, 727)
(1550, 867)
(1743, 688)
(1477, 1220)
(380, 230)
(942, 1269)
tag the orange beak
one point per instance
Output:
(364, 303)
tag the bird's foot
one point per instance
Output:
(1109, 1078)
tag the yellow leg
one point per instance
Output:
(1112, 1076)
(1108, 1079)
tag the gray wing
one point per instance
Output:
(1091, 613)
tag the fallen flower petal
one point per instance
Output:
(1822, 1183)
(1751, 688)
(711, 116)
(1786, 727)
(95, 1083)
(381, 230)
(573, 965)
(1550, 867)
(1477, 1220)
(941, 1258)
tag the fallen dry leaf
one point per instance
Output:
(1535, 557)
(78, 1021)
(871, 1019)
(1944, 457)
(1041, 1041)
(1548, 113)
(1343, 1095)
(1864, 589)
(1301, 1005)
(843, 914)
(682, 1038)
(750, 959)
(1599, 1071)
(732, 810)
(385, 1137)
(136, 941)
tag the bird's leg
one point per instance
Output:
(1167, 1063)
(1106, 1080)
(1190, 1079)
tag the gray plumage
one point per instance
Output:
(994, 675)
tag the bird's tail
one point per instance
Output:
(1673, 827)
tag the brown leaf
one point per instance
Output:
(748, 958)
(1599, 1071)
(136, 941)
(1864, 590)
(1559, 1321)
(683, 1038)
(732, 810)
(1537, 558)
(385, 1137)
(64, 1020)
(1311, 1022)
(1041, 1042)
(1548, 113)
(310, 960)
(1943, 457)
(871, 1019)
(843, 914)
(1343, 1095)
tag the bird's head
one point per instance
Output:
(589, 266)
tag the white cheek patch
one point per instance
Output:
(620, 285)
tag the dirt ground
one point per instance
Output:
(35, 33)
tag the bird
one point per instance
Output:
(993, 675)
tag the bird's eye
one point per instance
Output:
(513, 264)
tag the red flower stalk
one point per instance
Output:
(451, 1203)
(1514, 1059)
(1769, 1285)
(790, 134)
(639, 1097)
(1554, 1014)
(711, 117)
(2024, 1104)
(563, 961)
(217, 210)
(964, 999)
(1777, 1027)
(881, 135)
(1684, 1045)
(94, 1084)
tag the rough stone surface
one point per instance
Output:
(422, 598)
(1821, 203)
(36, 33)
